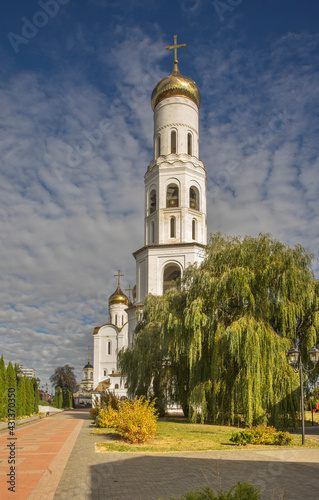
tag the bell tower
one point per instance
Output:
(175, 232)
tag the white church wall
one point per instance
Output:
(180, 114)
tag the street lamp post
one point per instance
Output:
(293, 356)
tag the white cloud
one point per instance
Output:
(72, 161)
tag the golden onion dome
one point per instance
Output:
(118, 297)
(176, 85)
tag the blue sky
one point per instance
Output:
(76, 140)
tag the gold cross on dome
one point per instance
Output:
(118, 277)
(175, 47)
(129, 289)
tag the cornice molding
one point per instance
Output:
(176, 125)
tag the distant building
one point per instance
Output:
(28, 372)
(87, 376)
(44, 396)
(83, 397)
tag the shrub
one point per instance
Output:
(111, 400)
(107, 417)
(261, 434)
(241, 491)
(242, 438)
(107, 400)
(136, 420)
(283, 438)
(95, 411)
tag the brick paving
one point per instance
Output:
(57, 458)
(41, 453)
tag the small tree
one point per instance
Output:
(36, 397)
(29, 397)
(64, 377)
(21, 397)
(221, 339)
(58, 398)
(3, 389)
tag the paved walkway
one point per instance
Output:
(56, 458)
(39, 453)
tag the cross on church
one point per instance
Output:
(175, 47)
(129, 289)
(118, 277)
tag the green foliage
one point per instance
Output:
(261, 434)
(3, 390)
(107, 400)
(58, 398)
(242, 438)
(136, 420)
(95, 411)
(67, 399)
(21, 397)
(283, 438)
(23, 392)
(241, 491)
(107, 417)
(218, 344)
(11, 376)
(29, 391)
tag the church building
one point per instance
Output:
(175, 226)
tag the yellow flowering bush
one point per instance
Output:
(136, 420)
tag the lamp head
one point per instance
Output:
(293, 356)
(314, 355)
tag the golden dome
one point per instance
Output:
(176, 85)
(118, 297)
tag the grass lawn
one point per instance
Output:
(308, 418)
(177, 434)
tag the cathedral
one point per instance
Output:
(175, 226)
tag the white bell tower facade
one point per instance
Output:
(175, 188)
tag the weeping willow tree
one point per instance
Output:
(219, 342)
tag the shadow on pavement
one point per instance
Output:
(153, 477)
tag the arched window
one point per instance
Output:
(91, 376)
(194, 229)
(85, 375)
(189, 143)
(172, 273)
(105, 373)
(153, 232)
(122, 320)
(109, 347)
(173, 141)
(116, 319)
(116, 386)
(152, 201)
(172, 198)
(172, 229)
(158, 146)
(193, 198)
